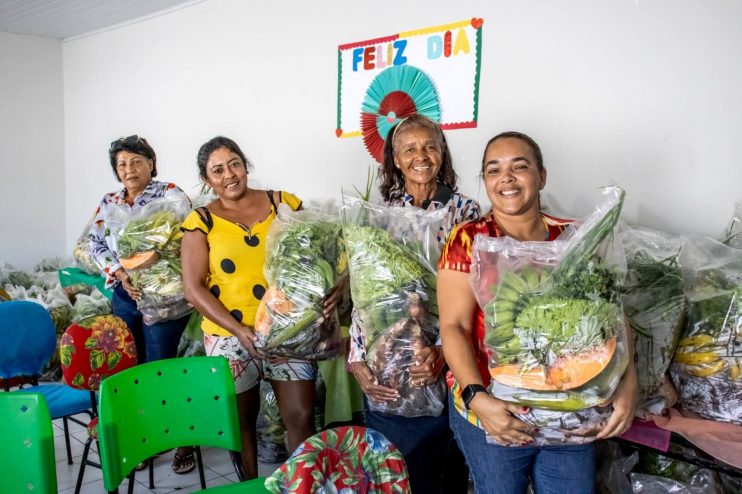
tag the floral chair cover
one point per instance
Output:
(345, 460)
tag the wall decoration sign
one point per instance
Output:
(433, 71)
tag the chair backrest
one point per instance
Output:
(27, 445)
(27, 338)
(95, 348)
(164, 404)
(352, 457)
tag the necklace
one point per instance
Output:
(546, 225)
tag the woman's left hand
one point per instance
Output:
(334, 297)
(624, 402)
(429, 361)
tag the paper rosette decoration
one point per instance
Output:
(394, 94)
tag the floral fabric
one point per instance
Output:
(346, 460)
(94, 349)
(102, 240)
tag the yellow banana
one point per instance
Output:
(696, 358)
(706, 370)
(697, 340)
(736, 371)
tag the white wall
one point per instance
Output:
(640, 93)
(32, 194)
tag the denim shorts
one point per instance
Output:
(509, 469)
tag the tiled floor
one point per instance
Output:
(218, 469)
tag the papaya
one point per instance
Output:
(277, 300)
(263, 319)
(139, 260)
(567, 372)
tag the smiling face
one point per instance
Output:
(512, 177)
(226, 173)
(133, 170)
(418, 153)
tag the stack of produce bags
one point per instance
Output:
(707, 367)
(148, 246)
(392, 254)
(655, 303)
(305, 261)
(554, 323)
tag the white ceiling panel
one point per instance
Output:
(63, 19)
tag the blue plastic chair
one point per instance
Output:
(27, 448)
(28, 341)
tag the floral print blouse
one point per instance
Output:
(103, 242)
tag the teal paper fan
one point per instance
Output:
(394, 94)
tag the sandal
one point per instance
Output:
(184, 463)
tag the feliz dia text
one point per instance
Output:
(394, 53)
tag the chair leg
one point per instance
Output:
(239, 468)
(201, 476)
(131, 482)
(151, 473)
(67, 440)
(83, 463)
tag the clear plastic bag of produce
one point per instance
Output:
(703, 482)
(305, 261)
(271, 433)
(81, 253)
(95, 304)
(393, 253)
(554, 324)
(707, 367)
(733, 232)
(148, 245)
(655, 303)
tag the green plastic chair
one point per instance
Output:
(161, 405)
(254, 486)
(27, 445)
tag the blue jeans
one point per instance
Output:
(154, 342)
(425, 443)
(508, 469)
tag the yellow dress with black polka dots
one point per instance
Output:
(236, 259)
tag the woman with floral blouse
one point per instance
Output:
(417, 171)
(134, 164)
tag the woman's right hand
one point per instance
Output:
(499, 421)
(122, 276)
(246, 336)
(370, 385)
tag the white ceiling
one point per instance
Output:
(63, 19)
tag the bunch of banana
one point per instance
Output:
(511, 296)
(702, 356)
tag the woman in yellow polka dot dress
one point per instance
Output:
(223, 253)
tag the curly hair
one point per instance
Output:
(212, 145)
(392, 184)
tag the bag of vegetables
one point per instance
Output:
(148, 246)
(554, 324)
(393, 253)
(305, 261)
(707, 367)
(81, 251)
(733, 233)
(655, 303)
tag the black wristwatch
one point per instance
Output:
(470, 392)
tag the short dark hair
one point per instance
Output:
(511, 134)
(212, 145)
(132, 144)
(392, 178)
